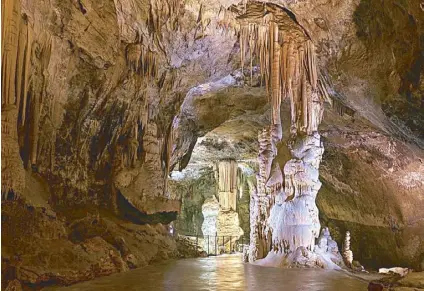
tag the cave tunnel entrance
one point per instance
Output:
(215, 208)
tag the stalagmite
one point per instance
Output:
(210, 211)
(347, 253)
(261, 202)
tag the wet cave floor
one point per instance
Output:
(226, 272)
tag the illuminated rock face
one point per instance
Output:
(210, 210)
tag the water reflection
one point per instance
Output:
(221, 273)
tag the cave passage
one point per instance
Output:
(236, 134)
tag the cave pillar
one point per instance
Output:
(260, 199)
(293, 219)
(284, 215)
(221, 220)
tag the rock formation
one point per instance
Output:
(347, 253)
(210, 210)
(287, 61)
(325, 254)
(221, 225)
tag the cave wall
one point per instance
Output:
(373, 187)
(193, 194)
(104, 81)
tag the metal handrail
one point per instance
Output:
(213, 242)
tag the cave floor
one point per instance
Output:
(226, 272)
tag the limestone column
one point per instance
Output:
(221, 220)
(294, 217)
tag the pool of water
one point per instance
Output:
(221, 273)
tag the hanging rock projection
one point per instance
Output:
(284, 215)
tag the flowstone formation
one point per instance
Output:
(284, 216)
(325, 254)
(294, 216)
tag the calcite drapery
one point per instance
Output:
(283, 211)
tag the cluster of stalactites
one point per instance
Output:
(288, 68)
(16, 54)
(130, 156)
(227, 183)
(227, 21)
(163, 12)
(142, 60)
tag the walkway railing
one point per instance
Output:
(215, 245)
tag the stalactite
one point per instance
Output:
(142, 60)
(163, 12)
(227, 184)
(16, 45)
(10, 37)
(275, 73)
(26, 73)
